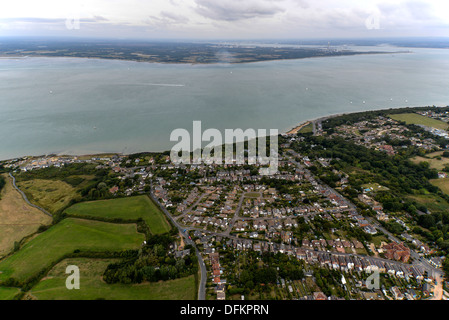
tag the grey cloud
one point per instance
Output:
(100, 18)
(302, 3)
(174, 17)
(47, 21)
(30, 20)
(165, 19)
(232, 10)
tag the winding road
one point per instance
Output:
(202, 284)
(25, 197)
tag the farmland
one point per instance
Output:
(51, 195)
(65, 237)
(414, 118)
(443, 184)
(124, 208)
(435, 160)
(17, 218)
(8, 293)
(93, 287)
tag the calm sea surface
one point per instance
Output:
(79, 106)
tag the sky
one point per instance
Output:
(225, 19)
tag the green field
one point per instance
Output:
(433, 202)
(8, 293)
(124, 208)
(435, 160)
(377, 240)
(65, 237)
(307, 128)
(443, 184)
(51, 195)
(414, 118)
(92, 287)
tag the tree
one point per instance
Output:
(446, 268)
(427, 221)
(2, 182)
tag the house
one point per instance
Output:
(397, 251)
(300, 253)
(319, 296)
(221, 295)
(397, 294)
(113, 190)
(412, 293)
(426, 289)
(358, 244)
(437, 262)
(370, 229)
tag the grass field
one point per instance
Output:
(51, 195)
(64, 238)
(414, 118)
(435, 160)
(8, 293)
(17, 218)
(443, 184)
(377, 240)
(433, 202)
(93, 287)
(307, 128)
(124, 208)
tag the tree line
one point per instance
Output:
(153, 263)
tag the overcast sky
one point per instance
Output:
(224, 19)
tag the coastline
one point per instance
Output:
(319, 119)
(287, 132)
(295, 129)
(355, 53)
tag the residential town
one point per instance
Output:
(232, 211)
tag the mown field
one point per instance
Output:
(307, 128)
(65, 237)
(17, 218)
(93, 287)
(51, 195)
(414, 118)
(8, 293)
(124, 208)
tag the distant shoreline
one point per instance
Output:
(295, 129)
(352, 53)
